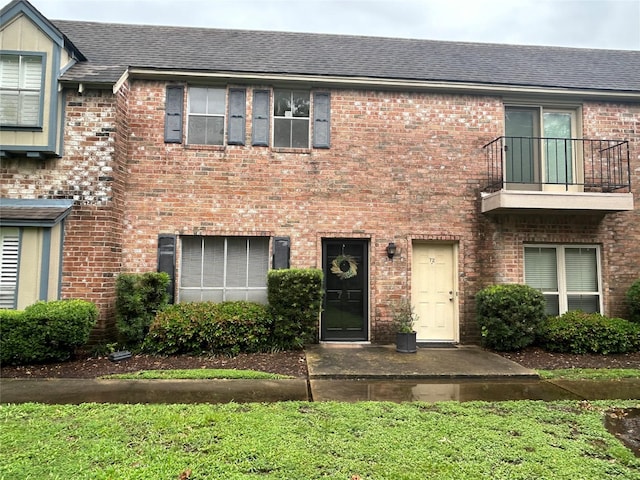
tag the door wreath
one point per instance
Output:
(344, 267)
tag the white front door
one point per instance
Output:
(434, 291)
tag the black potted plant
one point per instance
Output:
(403, 319)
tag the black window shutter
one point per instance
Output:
(260, 123)
(167, 260)
(173, 114)
(237, 112)
(321, 119)
(281, 248)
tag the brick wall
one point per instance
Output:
(401, 167)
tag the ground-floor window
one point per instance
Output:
(9, 257)
(567, 275)
(223, 268)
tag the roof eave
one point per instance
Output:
(387, 83)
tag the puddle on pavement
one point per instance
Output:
(624, 424)
(436, 391)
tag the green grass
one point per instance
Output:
(299, 440)
(590, 373)
(197, 374)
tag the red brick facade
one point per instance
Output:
(402, 166)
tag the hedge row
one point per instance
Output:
(512, 317)
(45, 331)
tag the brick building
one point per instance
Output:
(403, 168)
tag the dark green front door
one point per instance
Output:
(346, 277)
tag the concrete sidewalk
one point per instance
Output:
(348, 361)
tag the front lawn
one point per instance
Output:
(197, 374)
(299, 440)
(589, 373)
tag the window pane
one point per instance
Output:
(282, 103)
(197, 100)
(9, 108)
(213, 268)
(197, 134)
(216, 101)
(191, 262)
(586, 303)
(300, 134)
(282, 132)
(259, 296)
(540, 265)
(581, 269)
(215, 131)
(258, 261)
(236, 262)
(213, 295)
(189, 295)
(552, 306)
(301, 104)
(31, 73)
(29, 108)
(9, 71)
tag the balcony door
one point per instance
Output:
(540, 154)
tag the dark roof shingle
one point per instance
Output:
(111, 48)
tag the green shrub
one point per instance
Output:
(218, 328)
(633, 300)
(295, 301)
(509, 316)
(45, 331)
(139, 296)
(579, 332)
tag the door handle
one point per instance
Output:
(451, 295)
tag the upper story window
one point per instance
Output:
(291, 119)
(20, 90)
(206, 120)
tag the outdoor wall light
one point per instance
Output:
(391, 250)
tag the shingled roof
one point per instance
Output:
(111, 48)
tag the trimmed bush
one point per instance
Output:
(633, 300)
(295, 301)
(139, 296)
(509, 316)
(579, 332)
(218, 328)
(45, 331)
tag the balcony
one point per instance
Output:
(570, 175)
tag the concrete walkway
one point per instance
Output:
(348, 373)
(336, 361)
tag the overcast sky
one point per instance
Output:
(575, 23)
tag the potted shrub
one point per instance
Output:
(403, 319)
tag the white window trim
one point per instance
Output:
(561, 272)
(222, 115)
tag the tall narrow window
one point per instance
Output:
(20, 90)
(206, 116)
(567, 275)
(224, 268)
(9, 256)
(291, 119)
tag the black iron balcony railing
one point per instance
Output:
(572, 164)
